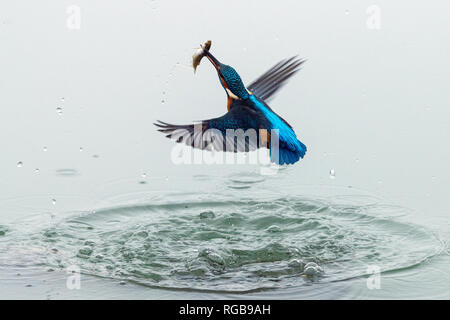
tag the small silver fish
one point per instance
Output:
(200, 53)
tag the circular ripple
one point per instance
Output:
(238, 245)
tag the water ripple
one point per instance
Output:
(229, 244)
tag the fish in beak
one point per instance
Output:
(203, 51)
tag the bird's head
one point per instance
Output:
(230, 79)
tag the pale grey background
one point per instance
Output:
(372, 104)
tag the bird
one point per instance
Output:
(247, 109)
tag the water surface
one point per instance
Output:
(224, 242)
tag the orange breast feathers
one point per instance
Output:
(229, 102)
(264, 138)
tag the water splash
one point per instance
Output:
(236, 245)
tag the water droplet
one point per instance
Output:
(207, 215)
(347, 12)
(20, 164)
(62, 99)
(95, 156)
(144, 175)
(59, 110)
(167, 178)
(357, 160)
(312, 269)
(44, 148)
(332, 174)
(273, 229)
(54, 201)
(162, 101)
(81, 149)
(36, 170)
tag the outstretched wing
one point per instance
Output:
(270, 82)
(212, 134)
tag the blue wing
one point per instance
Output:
(211, 134)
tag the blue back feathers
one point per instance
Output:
(233, 81)
(290, 148)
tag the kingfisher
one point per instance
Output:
(247, 109)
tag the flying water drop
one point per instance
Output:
(144, 178)
(332, 174)
(59, 110)
(20, 164)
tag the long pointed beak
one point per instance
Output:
(213, 60)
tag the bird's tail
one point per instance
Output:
(287, 155)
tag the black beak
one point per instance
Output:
(213, 60)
